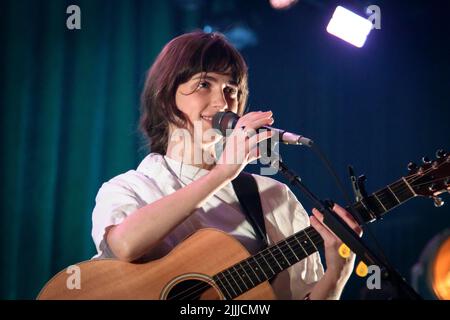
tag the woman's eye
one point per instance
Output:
(231, 91)
(203, 84)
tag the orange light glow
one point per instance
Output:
(441, 271)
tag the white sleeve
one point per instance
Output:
(307, 272)
(289, 217)
(113, 203)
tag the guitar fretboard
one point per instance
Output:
(267, 263)
(378, 203)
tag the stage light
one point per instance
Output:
(240, 35)
(207, 29)
(282, 4)
(431, 274)
(349, 26)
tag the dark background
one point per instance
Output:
(70, 107)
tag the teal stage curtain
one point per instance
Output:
(69, 114)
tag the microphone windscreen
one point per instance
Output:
(223, 121)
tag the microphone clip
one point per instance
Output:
(358, 186)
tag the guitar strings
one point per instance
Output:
(261, 256)
(411, 179)
(200, 287)
(288, 245)
(234, 272)
(428, 182)
(405, 190)
(287, 255)
(420, 175)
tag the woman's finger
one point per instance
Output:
(255, 121)
(258, 138)
(348, 218)
(326, 235)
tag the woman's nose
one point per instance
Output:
(219, 101)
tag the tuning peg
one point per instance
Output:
(412, 167)
(440, 153)
(426, 160)
(438, 202)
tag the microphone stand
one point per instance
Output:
(351, 239)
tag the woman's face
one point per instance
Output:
(201, 100)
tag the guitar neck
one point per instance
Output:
(377, 204)
(267, 263)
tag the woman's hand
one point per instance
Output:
(338, 267)
(241, 146)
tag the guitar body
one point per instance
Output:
(193, 262)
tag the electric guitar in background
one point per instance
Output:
(197, 270)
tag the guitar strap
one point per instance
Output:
(246, 190)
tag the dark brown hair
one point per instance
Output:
(180, 59)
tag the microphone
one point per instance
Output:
(223, 121)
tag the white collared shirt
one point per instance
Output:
(153, 179)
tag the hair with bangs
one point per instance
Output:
(179, 60)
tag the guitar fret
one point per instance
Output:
(230, 296)
(289, 246)
(259, 267)
(371, 213)
(401, 190)
(380, 202)
(290, 254)
(375, 205)
(257, 278)
(239, 275)
(361, 210)
(279, 249)
(275, 259)
(387, 199)
(247, 276)
(306, 253)
(407, 184)
(236, 284)
(310, 240)
(267, 263)
(309, 249)
(393, 193)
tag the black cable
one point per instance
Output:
(353, 212)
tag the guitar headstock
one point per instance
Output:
(432, 177)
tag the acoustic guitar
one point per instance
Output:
(211, 265)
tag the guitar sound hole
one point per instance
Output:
(188, 290)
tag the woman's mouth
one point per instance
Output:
(207, 118)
